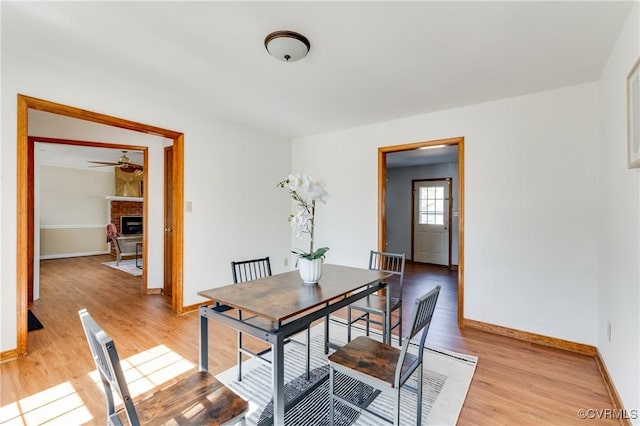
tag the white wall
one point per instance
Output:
(73, 212)
(619, 224)
(73, 197)
(530, 210)
(230, 176)
(399, 192)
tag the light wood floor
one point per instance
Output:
(516, 383)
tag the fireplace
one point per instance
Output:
(130, 225)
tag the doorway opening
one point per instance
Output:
(431, 230)
(382, 197)
(62, 148)
(25, 200)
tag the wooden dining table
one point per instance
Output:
(288, 306)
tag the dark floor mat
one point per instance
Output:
(33, 322)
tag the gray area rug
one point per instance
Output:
(447, 376)
(128, 266)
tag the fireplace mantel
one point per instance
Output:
(120, 198)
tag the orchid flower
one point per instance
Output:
(305, 191)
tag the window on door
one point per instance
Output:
(431, 200)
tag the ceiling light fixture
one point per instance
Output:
(287, 46)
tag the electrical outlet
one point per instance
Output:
(286, 261)
(609, 330)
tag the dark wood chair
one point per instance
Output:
(376, 304)
(197, 399)
(369, 362)
(248, 270)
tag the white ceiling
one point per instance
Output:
(62, 155)
(369, 61)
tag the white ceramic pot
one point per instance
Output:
(310, 270)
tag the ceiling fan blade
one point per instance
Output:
(131, 165)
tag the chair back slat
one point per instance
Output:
(247, 270)
(388, 262)
(105, 357)
(423, 311)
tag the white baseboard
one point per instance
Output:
(65, 255)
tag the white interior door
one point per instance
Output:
(431, 221)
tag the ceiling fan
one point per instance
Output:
(123, 162)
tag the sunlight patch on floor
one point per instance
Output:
(62, 405)
(59, 405)
(148, 370)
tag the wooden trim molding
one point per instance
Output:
(613, 392)
(178, 226)
(461, 210)
(25, 200)
(24, 224)
(531, 337)
(382, 196)
(8, 356)
(96, 117)
(192, 308)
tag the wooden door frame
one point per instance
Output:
(25, 200)
(382, 196)
(166, 211)
(413, 219)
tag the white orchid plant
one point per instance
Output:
(305, 191)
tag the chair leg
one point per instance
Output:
(396, 408)
(331, 398)
(348, 324)
(419, 397)
(367, 318)
(400, 326)
(308, 351)
(239, 351)
(239, 356)
(386, 329)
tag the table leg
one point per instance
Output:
(278, 381)
(326, 333)
(204, 341)
(387, 335)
